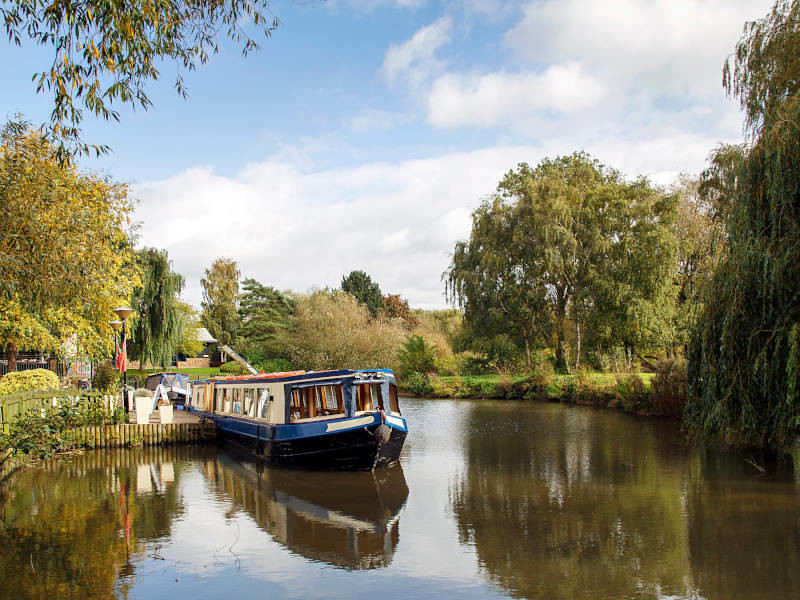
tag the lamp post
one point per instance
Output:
(123, 312)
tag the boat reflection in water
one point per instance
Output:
(346, 519)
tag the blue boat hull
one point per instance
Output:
(354, 443)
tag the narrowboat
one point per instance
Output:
(348, 520)
(344, 420)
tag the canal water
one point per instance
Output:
(491, 500)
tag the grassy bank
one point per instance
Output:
(628, 391)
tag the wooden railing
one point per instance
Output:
(13, 405)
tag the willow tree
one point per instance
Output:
(565, 249)
(105, 53)
(156, 331)
(744, 369)
(65, 249)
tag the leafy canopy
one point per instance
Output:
(263, 312)
(157, 329)
(744, 355)
(563, 249)
(106, 52)
(360, 285)
(66, 256)
(220, 299)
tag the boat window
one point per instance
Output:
(394, 405)
(226, 400)
(263, 404)
(368, 397)
(299, 406)
(332, 399)
(237, 401)
(249, 407)
(197, 396)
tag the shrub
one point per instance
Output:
(419, 383)
(233, 368)
(587, 388)
(541, 375)
(42, 432)
(106, 377)
(668, 394)
(26, 381)
(440, 388)
(332, 330)
(415, 354)
(274, 365)
(630, 392)
(476, 364)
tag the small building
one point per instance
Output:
(203, 358)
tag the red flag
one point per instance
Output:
(122, 363)
(116, 353)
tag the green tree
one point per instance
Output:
(220, 299)
(189, 344)
(264, 313)
(66, 256)
(106, 53)
(744, 355)
(360, 285)
(157, 329)
(562, 248)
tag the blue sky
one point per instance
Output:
(364, 133)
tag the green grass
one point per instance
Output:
(601, 379)
(194, 373)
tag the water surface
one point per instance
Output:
(491, 499)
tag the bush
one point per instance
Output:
(476, 364)
(588, 390)
(274, 365)
(332, 330)
(40, 433)
(27, 381)
(541, 375)
(630, 393)
(668, 394)
(106, 377)
(233, 368)
(416, 355)
(420, 384)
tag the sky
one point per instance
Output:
(364, 133)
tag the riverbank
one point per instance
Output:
(630, 392)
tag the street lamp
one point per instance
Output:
(123, 312)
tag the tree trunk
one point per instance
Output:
(527, 354)
(577, 345)
(12, 357)
(561, 317)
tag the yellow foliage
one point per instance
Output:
(66, 259)
(25, 381)
(333, 330)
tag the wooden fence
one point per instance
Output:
(14, 405)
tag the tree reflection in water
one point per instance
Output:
(75, 527)
(582, 503)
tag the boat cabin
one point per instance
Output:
(286, 398)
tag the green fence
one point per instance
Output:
(13, 405)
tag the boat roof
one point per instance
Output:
(291, 376)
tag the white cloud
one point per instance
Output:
(397, 221)
(494, 98)
(414, 61)
(664, 46)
